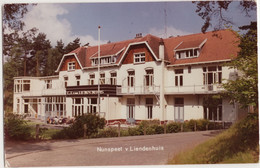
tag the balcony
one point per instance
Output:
(137, 90)
(193, 89)
(59, 91)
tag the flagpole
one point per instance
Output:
(99, 70)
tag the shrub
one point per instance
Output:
(173, 127)
(159, 129)
(15, 127)
(202, 124)
(107, 132)
(76, 130)
(134, 131)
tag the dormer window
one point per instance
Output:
(189, 49)
(139, 58)
(191, 53)
(71, 66)
(104, 60)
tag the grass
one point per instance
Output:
(46, 133)
(239, 144)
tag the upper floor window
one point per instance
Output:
(91, 79)
(178, 77)
(113, 78)
(21, 85)
(78, 79)
(48, 84)
(102, 78)
(104, 60)
(139, 58)
(190, 53)
(149, 77)
(131, 78)
(66, 81)
(71, 66)
(212, 75)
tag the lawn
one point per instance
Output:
(45, 133)
(239, 144)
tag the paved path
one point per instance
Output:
(152, 150)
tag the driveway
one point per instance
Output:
(135, 150)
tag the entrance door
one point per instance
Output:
(130, 111)
(26, 108)
(179, 110)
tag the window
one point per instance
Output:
(189, 69)
(91, 79)
(55, 106)
(78, 79)
(131, 78)
(139, 58)
(191, 53)
(178, 77)
(48, 84)
(77, 107)
(104, 60)
(113, 78)
(149, 107)
(212, 75)
(21, 85)
(102, 78)
(26, 85)
(91, 105)
(130, 108)
(149, 77)
(71, 66)
(65, 81)
(213, 113)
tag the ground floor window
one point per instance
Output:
(130, 108)
(213, 113)
(149, 107)
(55, 106)
(179, 109)
(77, 107)
(91, 105)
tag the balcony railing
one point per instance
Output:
(193, 89)
(126, 90)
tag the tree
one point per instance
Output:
(12, 14)
(210, 10)
(72, 45)
(244, 89)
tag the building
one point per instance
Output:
(140, 79)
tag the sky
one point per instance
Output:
(120, 20)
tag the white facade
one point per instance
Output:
(129, 91)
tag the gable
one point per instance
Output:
(142, 48)
(67, 59)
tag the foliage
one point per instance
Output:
(107, 132)
(72, 46)
(12, 14)
(76, 130)
(239, 140)
(173, 127)
(134, 131)
(244, 89)
(16, 128)
(210, 10)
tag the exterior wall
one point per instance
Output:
(115, 108)
(129, 59)
(64, 66)
(193, 108)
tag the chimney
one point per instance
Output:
(161, 49)
(138, 35)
